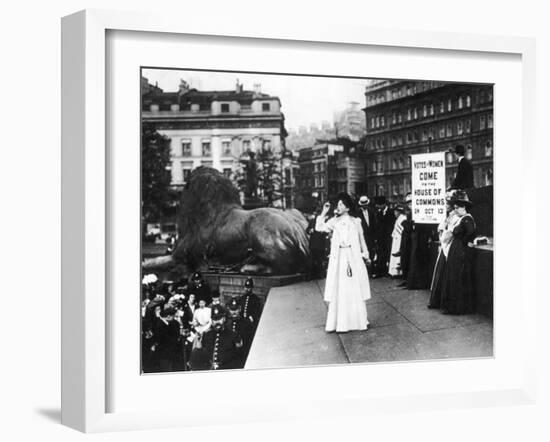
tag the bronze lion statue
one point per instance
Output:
(214, 229)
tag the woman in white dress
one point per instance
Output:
(347, 285)
(202, 318)
(395, 258)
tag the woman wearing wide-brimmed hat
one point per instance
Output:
(347, 285)
(454, 291)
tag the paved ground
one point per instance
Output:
(291, 331)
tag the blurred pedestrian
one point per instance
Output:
(395, 258)
(385, 220)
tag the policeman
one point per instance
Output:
(219, 348)
(251, 306)
(200, 288)
(240, 326)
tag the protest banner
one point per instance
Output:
(428, 187)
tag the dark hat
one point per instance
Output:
(196, 276)
(380, 200)
(400, 208)
(218, 312)
(216, 293)
(168, 311)
(364, 201)
(461, 198)
(249, 283)
(234, 304)
(459, 149)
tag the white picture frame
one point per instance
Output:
(85, 349)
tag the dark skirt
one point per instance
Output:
(437, 281)
(457, 296)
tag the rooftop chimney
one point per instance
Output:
(257, 88)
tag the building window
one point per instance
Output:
(482, 122)
(459, 128)
(415, 113)
(393, 142)
(186, 148)
(415, 136)
(382, 121)
(377, 121)
(442, 131)
(372, 122)
(449, 105)
(266, 145)
(425, 110)
(225, 107)
(246, 145)
(468, 126)
(441, 107)
(460, 103)
(206, 151)
(399, 118)
(394, 118)
(409, 138)
(432, 110)
(489, 121)
(400, 140)
(488, 149)
(186, 174)
(468, 101)
(393, 164)
(266, 107)
(409, 115)
(449, 130)
(226, 147)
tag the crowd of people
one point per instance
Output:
(363, 233)
(186, 325)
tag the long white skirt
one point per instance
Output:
(347, 309)
(395, 261)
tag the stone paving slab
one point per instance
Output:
(413, 305)
(291, 332)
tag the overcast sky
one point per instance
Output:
(304, 100)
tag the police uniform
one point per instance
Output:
(200, 288)
(220, 349)
(242, 327)
(251, 306)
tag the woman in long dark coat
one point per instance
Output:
(445, 238)
(456, 290)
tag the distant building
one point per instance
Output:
(350, 123)
(213, 128)
(330, 167)
(406, 117)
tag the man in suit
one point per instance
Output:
(368, 220)
(464, 178)
(167, 337)
(385, 220)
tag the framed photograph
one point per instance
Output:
(307, 216)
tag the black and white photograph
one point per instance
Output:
(310, 220)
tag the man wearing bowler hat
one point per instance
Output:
(368, 219)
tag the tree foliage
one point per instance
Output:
(259, 176)
(156, 195)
